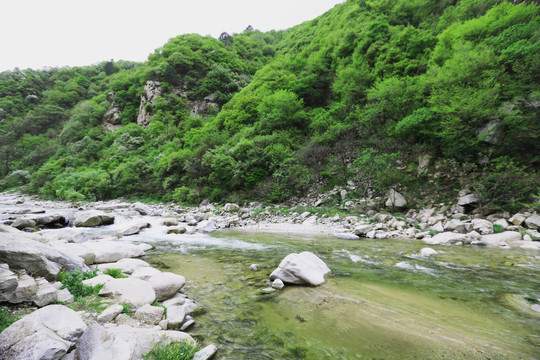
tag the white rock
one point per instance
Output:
(110, 313)
(166, 284)
(124, 342)
(254, 267)
(206, 226)
(303, 268)
(64, 296)
(501, 238)
(149, 314)
(135, 291)
(312, 220)
(501, 222)
(77, 250)
(108, 251)
(428, 252)
(469, 199)
(346, 236)
(206, 353)
(46, 294)
(445, 238)
(231, 207)
(527, 237)
(93, 218)
(97, 280)
(533, 222)
(145, 273)
(278, 284)
(176, 316)
(47, 333)
(134, 229)
(395, 199)
(438, 227)
(8, 283)
(362, 230)
(25, 291)
(127, 266)
(482, 226)
(517, 219)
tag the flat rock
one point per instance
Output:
(446, 238)
(205, 353)
(346, 236)
(110, 313)
(303, 268)
(134, 291)
(135, 229)
(123, 342)
(93, 218)
(144, 273)
(501, 238)
(97, 280)
(108, 251)
(127, 266)
(79, 250)
(21, 251)
(47, 333)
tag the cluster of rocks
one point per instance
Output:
(29, 266)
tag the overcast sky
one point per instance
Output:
(39, 33)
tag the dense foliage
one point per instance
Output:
(354, 95)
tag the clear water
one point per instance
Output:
(382, 300)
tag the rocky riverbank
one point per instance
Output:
(39, 238)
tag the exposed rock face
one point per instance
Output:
(47, 333)
(152, 90)
(93, 218)
(303, 268)
(123, 342)
(395, 199)
(111, 119)
(21, 252)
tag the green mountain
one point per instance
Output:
(357, 95)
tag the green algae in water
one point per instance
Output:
(449, 306)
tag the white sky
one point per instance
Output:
(39, 33)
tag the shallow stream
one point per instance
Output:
(382, 300)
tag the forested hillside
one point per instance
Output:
(357, 95)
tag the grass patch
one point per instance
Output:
(6, 318)
(173, 351)
(497, 228)
(73, 281)
(127, 309)
(115, 273)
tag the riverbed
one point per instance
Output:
(382, 301)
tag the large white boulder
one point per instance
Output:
(123, 342)
(482, 226)
(47, 333)
(21, 251)
(134, 291)
(145, 273)
(79, 250)
(93, 218)
(346, 236)
(446, 238)
(111, 251)
(501, 238)
(166, 284)
(303, 268)
(206, 226)
(149, 314)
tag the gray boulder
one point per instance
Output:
(149, 314)
(206, 226)
(468, 200)
(517, 219)
(8, 283)
(362, 230)
(47, 333)
(46, 293)
(533, 222)
(231, 207)
(144, 273)
(123, 342)
(93, 218)
(22, 252)
(304, 268)
(135, 229)
(176, 315)
(134, 291)
(79, 250)
(395, 199)
(22, 223)
(107, 251)
(166, 284)
(26, 290)
(110, 313)
(501, 238)
(346, 236)
(482, 226)
(205, 353)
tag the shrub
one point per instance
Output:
(6, 318)
(73, 282)
(127, 308)
(497, 228)
(173, 351)
(115, 273)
